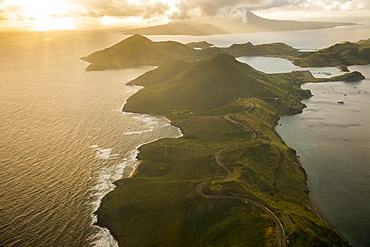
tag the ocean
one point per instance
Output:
(64, 139)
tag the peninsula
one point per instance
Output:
(230, 180)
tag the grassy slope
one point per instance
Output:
(159, 206)
(140, 51)
(345, 53)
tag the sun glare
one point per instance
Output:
(42, 15)
(52, 23)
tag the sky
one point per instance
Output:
(42, 15)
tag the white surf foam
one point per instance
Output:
(103, 238)
(104, 153)
(107, 175)
(138, 132)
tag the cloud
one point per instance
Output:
(121, 8)
(316, 5)
(230, 8)
(146, 9)
(207, 8)
(177, 9)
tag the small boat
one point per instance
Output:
(340, 102)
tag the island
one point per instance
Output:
(230, 180)
(249, 23)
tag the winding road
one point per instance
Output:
(281, 235)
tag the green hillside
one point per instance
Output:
(199, 85)
(138, 50)
(273, 49)
(160, 205)
(345, 53)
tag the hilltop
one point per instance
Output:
(138, 50)
(211, 101)
(200, 85)
(251, 23)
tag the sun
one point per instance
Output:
(42, 15)
(47, 15)
(51, 23)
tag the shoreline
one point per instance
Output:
(309, 195)
(316, 202)
(126, 174)
(274, 202)
(132, 163)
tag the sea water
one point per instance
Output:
(63, 137)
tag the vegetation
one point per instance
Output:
(159, 205)
(298, 77)
(341, 54)
(199, 45)
(138, 50)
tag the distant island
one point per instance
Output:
(230, 180)
(251, 24)
(138, 50)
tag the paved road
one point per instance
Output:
(281, 236)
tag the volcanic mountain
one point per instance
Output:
(251, 23)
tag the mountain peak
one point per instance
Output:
(138, 37)
(134, 40)
(251, 17)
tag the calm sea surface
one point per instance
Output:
(64, 139)
(333, 143)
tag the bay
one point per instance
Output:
(332, 141)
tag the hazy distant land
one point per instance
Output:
(252, 24)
